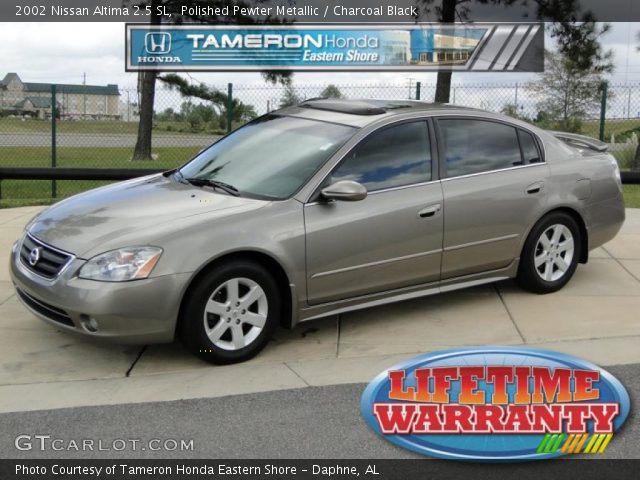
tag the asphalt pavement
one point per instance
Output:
(313, 422)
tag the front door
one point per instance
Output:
(392, 238)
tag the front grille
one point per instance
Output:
(54, 313)
(50, 261)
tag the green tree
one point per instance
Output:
(577, 35)
(195, 120)
(147, 79)
(512, 110)
(331, 91)
(290, 97)
(167, 115)
(218, 101)
(568, 91)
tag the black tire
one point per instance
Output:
(529, 277)
(192, 330)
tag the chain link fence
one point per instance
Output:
(97, 128)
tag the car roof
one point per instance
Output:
(360, 113)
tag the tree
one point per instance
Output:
(577, 37)
(290, 97)
(146, 95)
(512, 110)
(240, 112)
(167, 115)
(195, 120)
(219, 101)
(331, 91)
(569, 92)
(147, 79)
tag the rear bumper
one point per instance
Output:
(136, 312)
(606, 219)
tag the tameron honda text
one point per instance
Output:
(496, 404)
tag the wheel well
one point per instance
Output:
(584, 236)
(269, 263)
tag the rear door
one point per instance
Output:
(392, 238)
(493, 181)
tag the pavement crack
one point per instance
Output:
(621, 264)
(6, 300)
(297, 374)
(504, 304)
(138, 357)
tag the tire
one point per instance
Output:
(222, 326)
(550, 255)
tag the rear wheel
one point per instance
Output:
(550, 255)
(231, 313)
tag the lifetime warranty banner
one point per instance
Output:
(418, 47)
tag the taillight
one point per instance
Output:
(616, 171)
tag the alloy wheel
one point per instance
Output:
(554, 252)
(235, 313)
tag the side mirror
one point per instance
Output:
(346, 190)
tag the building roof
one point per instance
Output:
(35, 87)
(8, 78)
(79, 89)
(37, 102)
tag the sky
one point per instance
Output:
(51, 52)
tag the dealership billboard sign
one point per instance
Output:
(418, 47)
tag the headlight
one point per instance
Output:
(131, 263)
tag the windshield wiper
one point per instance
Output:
(205, 182)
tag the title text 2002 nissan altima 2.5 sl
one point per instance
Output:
(317, 209)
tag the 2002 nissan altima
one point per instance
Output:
(317, 209)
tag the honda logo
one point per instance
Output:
(157, 42)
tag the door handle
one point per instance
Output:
(535, 188)
(429, 211)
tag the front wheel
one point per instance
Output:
(231, 313)
(550, 255)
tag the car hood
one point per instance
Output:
(82, 223)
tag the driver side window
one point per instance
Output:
(391, 157)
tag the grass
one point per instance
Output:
(631, 196)
(15, 193)
(93, 157)
(33, 125)
(615, 127)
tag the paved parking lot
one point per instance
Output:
(595, 317)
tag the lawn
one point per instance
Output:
(32, 125)
(93, 157)
(631, 196)
(38, 192)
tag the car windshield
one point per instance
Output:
(271, 157)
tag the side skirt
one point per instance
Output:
(407, 293)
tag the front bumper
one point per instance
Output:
(135, 312)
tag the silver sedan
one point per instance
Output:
(315, 210)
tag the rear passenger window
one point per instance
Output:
(476, 146)
(391, 157)
(530, 151)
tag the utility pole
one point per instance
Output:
(84, 99)
(411, 79)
